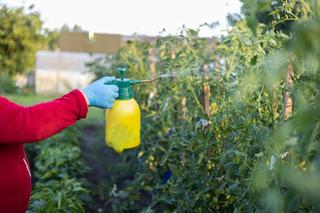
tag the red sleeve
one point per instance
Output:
(19, 124)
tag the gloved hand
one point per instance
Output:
(101, 95)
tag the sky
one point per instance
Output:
(127, 17)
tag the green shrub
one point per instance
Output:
(64, 195)
(60, 175)
(7, 85)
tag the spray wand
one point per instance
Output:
(134, 82)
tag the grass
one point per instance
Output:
(28, 99)
(95, 115)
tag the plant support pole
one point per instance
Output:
(152, 65)
(206, 90)
(184, 107)
(288, 103)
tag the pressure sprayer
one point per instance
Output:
(123, 119)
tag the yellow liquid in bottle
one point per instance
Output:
(123, 125)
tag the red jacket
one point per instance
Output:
(19, 125)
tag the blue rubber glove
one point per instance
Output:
(101, 95)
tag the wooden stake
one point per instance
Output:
(206, 90)
(184, 107)
(152, 65)
(288, 103)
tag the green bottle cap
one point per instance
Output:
(125, 90)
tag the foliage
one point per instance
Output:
(6, 84)
(278, 15)
(52, 38)
(60, 184)
(20, 37)
(244, 156)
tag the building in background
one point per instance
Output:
(60, 71)
(91, 43)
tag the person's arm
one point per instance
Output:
(19, 124)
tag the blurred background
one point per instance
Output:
(46, 44)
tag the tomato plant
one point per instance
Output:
(251, 151)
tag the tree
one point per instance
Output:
(66, 28)
(21, 35)
(52, 38)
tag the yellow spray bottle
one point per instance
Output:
(123, 119)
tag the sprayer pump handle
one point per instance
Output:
(122, 70)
